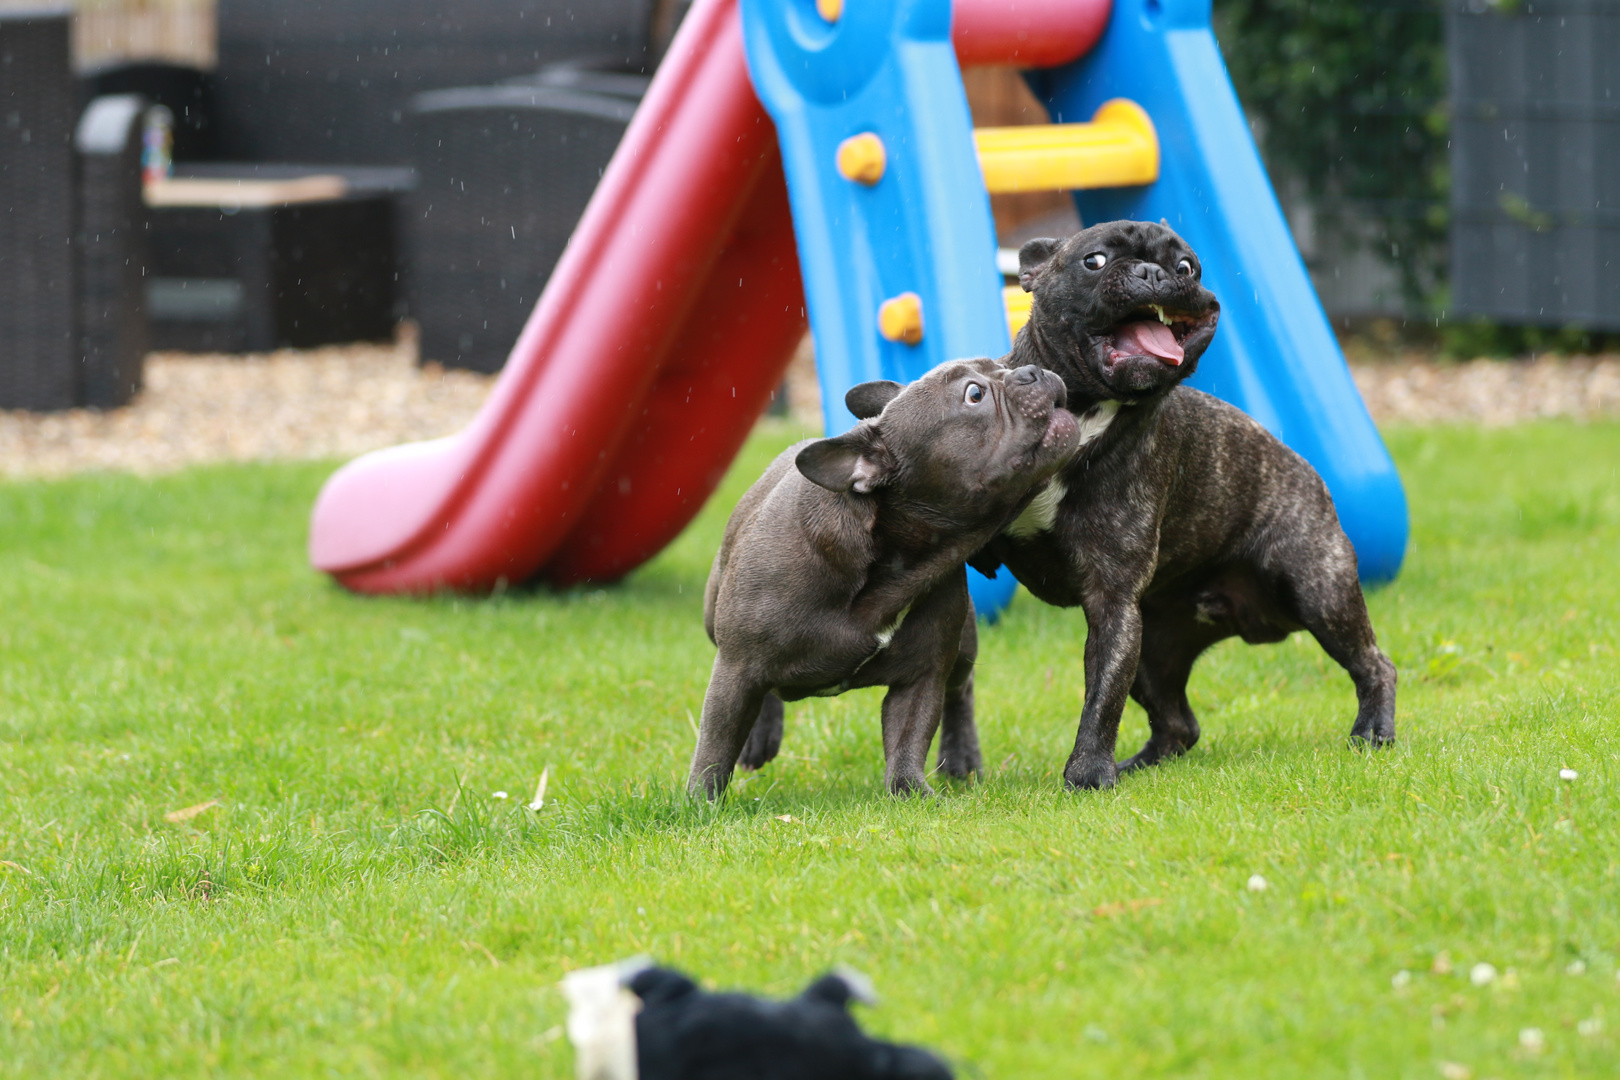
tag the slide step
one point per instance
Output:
(1118, 148)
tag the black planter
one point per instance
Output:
(330, 81)
(504, 173)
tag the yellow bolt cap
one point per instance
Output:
(861, 158)
(830, 9)
(900, 318)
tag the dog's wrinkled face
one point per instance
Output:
(968, 440)
(1123, 303)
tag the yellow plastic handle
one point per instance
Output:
(1018, 303)
(1118, 148)
(900, 318)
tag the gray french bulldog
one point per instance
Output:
(842, 566)
(1181, 521)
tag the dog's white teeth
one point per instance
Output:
(1162, 316)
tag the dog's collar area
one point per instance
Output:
(1103, 407)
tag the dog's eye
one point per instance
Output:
(1184, 267)
(1095, 261)
(974, 393)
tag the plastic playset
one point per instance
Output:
(807, 159)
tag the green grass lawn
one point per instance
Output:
(361, 904)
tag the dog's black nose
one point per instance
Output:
(1150, 272)
(1025, 375)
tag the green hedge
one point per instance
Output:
(1351, 103)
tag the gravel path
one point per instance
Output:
(1415, 389)
(320, 403)
(338, 402)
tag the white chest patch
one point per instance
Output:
(886, 635)
(1096, 421)
(1040, 513)
(1042, 510)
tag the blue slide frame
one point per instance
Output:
(1275, 355)
(887, 67)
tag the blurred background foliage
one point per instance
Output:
(1348, 99)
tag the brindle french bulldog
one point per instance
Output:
(842, 566)
(1182, 521)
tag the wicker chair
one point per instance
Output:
(112, 251)
(186, 92)
(504, 173)
(37, 111)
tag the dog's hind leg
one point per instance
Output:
(1326, 597)
(1171, 642)
(958, 736)
(765, 740)
(1346, 634)
(730, 708)
(911, 714)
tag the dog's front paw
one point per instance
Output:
(908, 784)
(1091, 773)
(1372, 735)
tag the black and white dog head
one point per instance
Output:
(969, 440)
(1122, 304)
(680, 1032)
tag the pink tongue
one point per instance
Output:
(1149, 338)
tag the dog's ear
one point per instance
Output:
(854, 461)
(869, 398)
(839, 988)
(1033, 258)
(656, 985)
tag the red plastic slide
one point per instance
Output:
(656, 344)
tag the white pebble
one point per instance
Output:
(497, 795)
(1258, 883)
(1567, 774)
(1532, 1040)
(1400, 978)
(1482, 974)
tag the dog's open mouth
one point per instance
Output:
(1153, 331)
